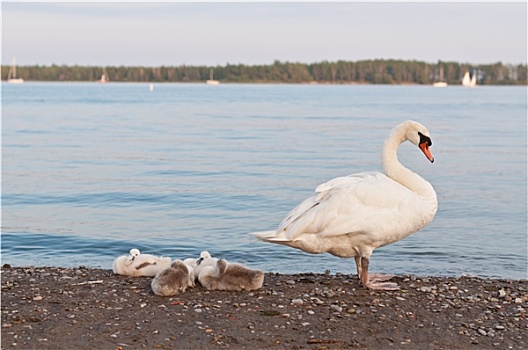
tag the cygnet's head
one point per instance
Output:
(179, 265)
(203, 255)
(134, 252)
(130, 258)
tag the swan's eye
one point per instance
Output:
(424, 138)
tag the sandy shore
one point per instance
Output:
(83, 308)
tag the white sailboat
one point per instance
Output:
(466, 80)
(469, 81)
(12, 77)
(473, 81)
(104, 77)
(211, 81)
(441, 83)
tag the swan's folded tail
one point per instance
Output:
(269, 236)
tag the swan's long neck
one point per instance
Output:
(396, 171)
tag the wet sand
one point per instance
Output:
(84, 308)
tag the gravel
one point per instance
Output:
(84, 308)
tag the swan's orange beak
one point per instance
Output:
(424, 146)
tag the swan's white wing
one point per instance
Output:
(348, 204)
(296, 213)
(301, 219)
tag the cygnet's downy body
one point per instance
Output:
(136, 264)
(233, 277)
(204, 260)
(173, 280)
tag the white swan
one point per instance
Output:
(353, 215)
(233, 277)
(173, 280)
(136, 264)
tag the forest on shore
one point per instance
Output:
(340, 72)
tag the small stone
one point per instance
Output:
(290, 282)
(37, 298)
(198, 310)
(304, 324)
(400, 298)
(502, 293)
(351, 311)
(297, 302)
(518, 301)
(482, 332)
(499, 327)
(311, 312)
(336, 308)
(269, 312)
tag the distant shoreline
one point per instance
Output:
(386, 72)
(246, 83)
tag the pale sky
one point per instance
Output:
(193, 33)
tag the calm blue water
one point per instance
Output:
(90, 171)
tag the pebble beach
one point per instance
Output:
(85, 308)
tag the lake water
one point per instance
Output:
(91, 170)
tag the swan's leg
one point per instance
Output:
(358, 266)
(373, 284)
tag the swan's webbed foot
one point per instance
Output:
(374, 281)
(378, 277)
(382, 285)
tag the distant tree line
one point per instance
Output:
(340, 72)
